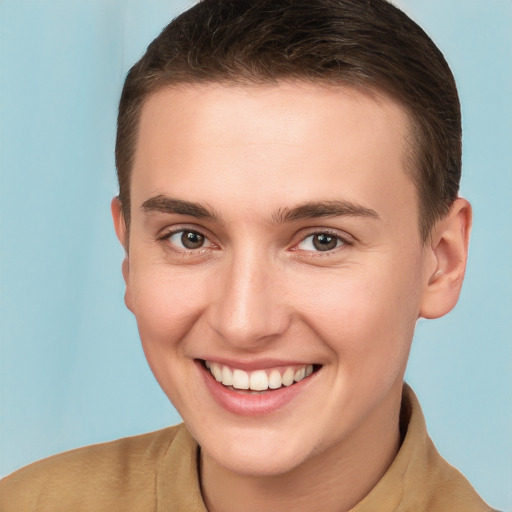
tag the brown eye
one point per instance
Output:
(321, 242)
(324, 242)
(187, 240)
(192, 240)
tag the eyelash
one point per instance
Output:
(166, 236)
(341, 242)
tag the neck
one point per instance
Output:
(333, 481)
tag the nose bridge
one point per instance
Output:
(248, 306)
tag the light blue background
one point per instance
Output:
(71, 369)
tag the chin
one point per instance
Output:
(257, 454)
(258, 464)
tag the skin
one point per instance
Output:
(258, 289)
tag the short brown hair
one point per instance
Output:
(360, 43)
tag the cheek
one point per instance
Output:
(364, 313)
(165, 304)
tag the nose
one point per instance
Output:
(248, 305)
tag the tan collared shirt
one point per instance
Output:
(158, 472)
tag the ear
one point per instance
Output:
(122, 236)
(449, 247)
(118, 218)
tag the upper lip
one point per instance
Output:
(257, 364)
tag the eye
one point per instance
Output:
(320, 242)
(188, 240)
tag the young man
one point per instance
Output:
(288, 204)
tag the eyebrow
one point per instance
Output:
(309, 210)
(164, 204)
(323, 209)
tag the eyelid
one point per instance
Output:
(345, 238)
(166, 233)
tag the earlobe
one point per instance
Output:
(449, 247)
(126, 274)
(120, 228)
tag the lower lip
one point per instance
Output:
(247, 404)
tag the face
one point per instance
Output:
(274, 245)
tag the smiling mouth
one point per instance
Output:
(259, 381)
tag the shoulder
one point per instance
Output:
(118, 475)
(450, 490)
(419, 479)
(435, 483)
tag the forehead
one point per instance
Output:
(290, 141)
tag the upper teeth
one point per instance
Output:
(258, 380)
